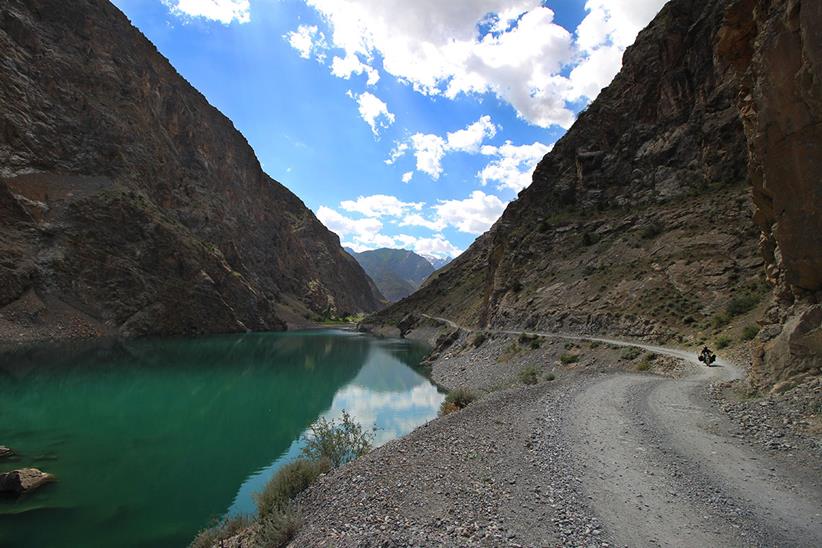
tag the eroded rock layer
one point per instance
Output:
(129, 204)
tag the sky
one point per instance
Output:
(401, 123)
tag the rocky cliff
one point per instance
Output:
(638, 222)
(774, 50)
(129, 204)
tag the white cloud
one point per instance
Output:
(415, 219)
(437, 247)
(397, 152)
(344, 67)
(470, 138)
(365, 230)
(429, 149)
(307, 39)
(224, 11)
(514, 164)
(406, 177)
(511, 48)
(380, 205)
(473, 215)
(373, 111)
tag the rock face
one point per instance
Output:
(637, 222)
(129, 204)
(24, 480)
(5, 452)
(397, 272)
(774, 49)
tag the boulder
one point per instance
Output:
(24, 480)
(5, 452)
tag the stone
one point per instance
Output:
(18, 482)
(5, 452)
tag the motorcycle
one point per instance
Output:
(707, 357)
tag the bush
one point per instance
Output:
(457, 399)
(569, 358)
(631, 353)
(723, 341)
(224, 529)
(720, 320)
(749, 332)
(644, 365)
(479, 338)
(289, 481)
(741, 304)
(535, 344)
(529, 375)
(550, 377)
(339, 442)
(279, 529)
(516, 287)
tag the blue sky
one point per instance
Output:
(400, 124)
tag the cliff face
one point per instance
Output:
(639, 221)
(774, 49)
(130, 204)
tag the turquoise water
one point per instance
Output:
(152, 439)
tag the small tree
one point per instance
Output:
(339, 442)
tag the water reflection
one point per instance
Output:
(386, 394)
(151, 438)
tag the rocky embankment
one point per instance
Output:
(129, 205)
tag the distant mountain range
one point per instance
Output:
(397, 272)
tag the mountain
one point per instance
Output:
(437, 262)
(132, 206)
(396, 272)
(638, 222)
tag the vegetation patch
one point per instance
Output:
(338, 442)
(291, 480)
(630, 353)
(569, 358)
(280, 528)
(529, 375)
(723, 341)
(652, 230)
(457, 399)
(480, 338)
(749, 332)
(550, 377)
(224, 529)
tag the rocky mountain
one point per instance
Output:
(438, 262)
(130, 205)
(638, 223)
(396, 272)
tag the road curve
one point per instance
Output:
(659, 468)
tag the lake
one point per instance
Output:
(153, 439)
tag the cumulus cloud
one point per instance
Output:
(406, 177)
(307, 39)
(366, 229)
(511, 48)
(430, 149)
(224, 11)
(344, 67)
(513, 166)
(415, 219)
(373, 111)
(380, 205)
(473, 215)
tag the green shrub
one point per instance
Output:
(457, 399)
(594, 344)
(517, 286)
(550, 377)
(224, 529)
(569, 358)
(479, 338)
(289, 481)
(740, 304)
(278, 529)
(720, 320)
(749, 332)
(631, 353)
(529, 375)
(339, 442)
(535, 344)
(723, 341)
(644, 365)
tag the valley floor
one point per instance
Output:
(598, 457)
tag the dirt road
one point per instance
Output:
(661, 468)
